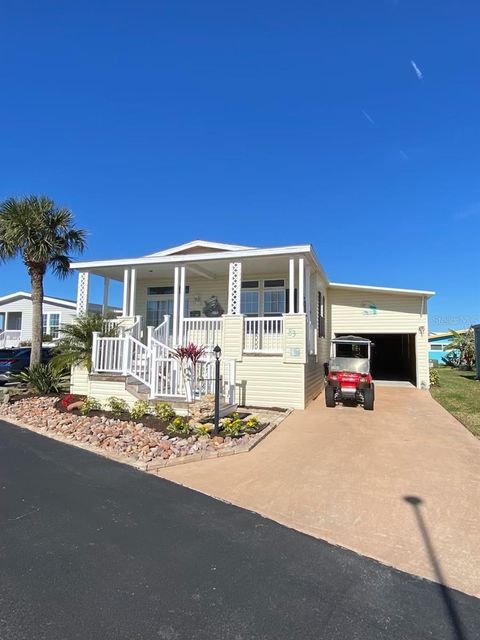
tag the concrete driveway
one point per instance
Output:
(400, 484)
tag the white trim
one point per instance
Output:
(199, 257)
(340, 285)
(198, 243)
(48, 327)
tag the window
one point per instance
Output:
(51, 324)
(436, 347)
(249, 284)
(157, 309)
(163, 291)
(274, 302)
(273, 283)
(14, 320)
(249, 303)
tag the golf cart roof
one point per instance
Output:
(351, 339)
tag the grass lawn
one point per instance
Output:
(459, 393)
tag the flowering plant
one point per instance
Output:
(66, 400)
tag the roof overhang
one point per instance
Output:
(202, 261)
(392, 290)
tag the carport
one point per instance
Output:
(393, 356)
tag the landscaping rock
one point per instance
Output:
(124, 438)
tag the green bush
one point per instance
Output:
(434, 377)
(164, 411)
(117, 405)
(179, 426)
(233, 426)
(44, 378)
(90, 404)
(203, 429)
(139, 409)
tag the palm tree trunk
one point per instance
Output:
(36, 278)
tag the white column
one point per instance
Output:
(181, 304)
(133, 287)
(126, 275)
(175, 308)
(106, 287)
(82, 292)
(234, 288)
(291, 286)
(301, 285)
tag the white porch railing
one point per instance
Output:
(127, 324)
(263, 335)
(108, 354)
(162, 332)
(203, 331)
(10, 338)
(155, 366)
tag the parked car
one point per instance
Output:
(13, 361)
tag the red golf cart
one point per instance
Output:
(348, 376)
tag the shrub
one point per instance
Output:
(252, 423)
(164, 411)
(434, 378)
(67, 400)
(139, 409)
(43, 378)
(203, 429)
(90, 404)
(47, 338)
(179, 425)
(117, 405)
(233, 427)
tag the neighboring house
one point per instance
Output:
(437, 343)
(16, 317)
(272, 311)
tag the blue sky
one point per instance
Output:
(255, 122)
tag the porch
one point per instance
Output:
(263, 312)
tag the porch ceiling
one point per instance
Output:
(254, 266)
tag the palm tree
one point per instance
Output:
(74, 347)
(43, 235)
(464, 344)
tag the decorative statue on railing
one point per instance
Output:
(212, 308)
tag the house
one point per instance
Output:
(271, 310)
(16, 317)
(437, 343)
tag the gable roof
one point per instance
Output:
(26, 294)
(198, 246)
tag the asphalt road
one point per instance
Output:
(93, 549)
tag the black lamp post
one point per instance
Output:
(218, 352)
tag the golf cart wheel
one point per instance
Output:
(369, 395)
(330, 396)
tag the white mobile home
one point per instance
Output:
(272, 311)
(16, 317)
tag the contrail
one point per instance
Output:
(368, 117)
(417, 70)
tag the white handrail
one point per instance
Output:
(263, 335)
(162, 332)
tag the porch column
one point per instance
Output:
(106, 287)
(133, 287)
(82, 292)
(234, 288)
(175, 307)
(291, 286)
(126, 275)
(181, 304)
(301, 285)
